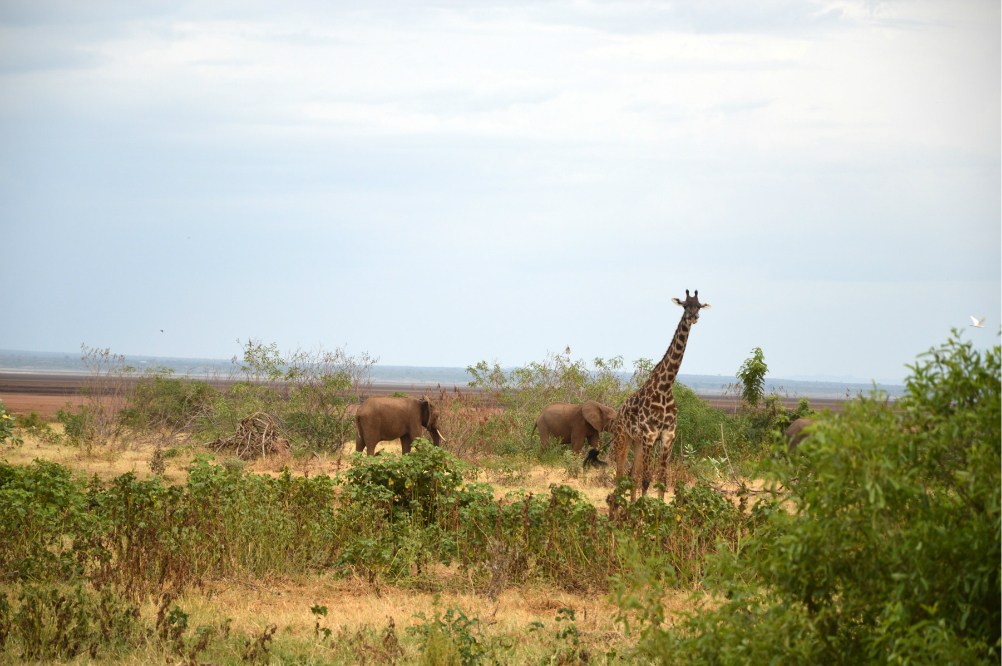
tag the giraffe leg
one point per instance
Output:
(637, 471)
(621, 448)
(648, 464)
(667, 439)
(643, 464)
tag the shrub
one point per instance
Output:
(454, 639)
(79, 426)
(415, 481)
(323, 386)
(752, 376)
(160, 401)
(698, 426)
(891, 553)
(499, 420)
(8, 428)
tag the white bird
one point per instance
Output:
(977, 322)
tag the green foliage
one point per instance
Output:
(891, 552)
(160, 401)
(32, 420)
(263, 363)
(8, 428)
(323, 386)
(309, 394)
(416, 482)
(79, 426)
(754, 431)
(752, 376)
(389, 520)
(51, 623)
(474, 422)
(36, 426)
(454, 639)
(698, 425)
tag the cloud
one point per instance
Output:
(516, 163)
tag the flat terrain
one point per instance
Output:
(357, 605)
(24, 392)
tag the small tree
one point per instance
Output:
(752, 376)
(8, 428)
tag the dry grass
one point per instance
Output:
(117, 457)
(353, 604)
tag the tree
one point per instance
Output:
(752, 376)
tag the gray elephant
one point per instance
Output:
(795, 433)
(382, 419)
(573, 424)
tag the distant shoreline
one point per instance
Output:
(68, 365)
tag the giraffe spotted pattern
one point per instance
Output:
(650, 414)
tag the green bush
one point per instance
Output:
(86, 425)
(51, 624)
(698, 426)
(752, 376)
(32, 420)
(891, 552)
(160, 401)
(454, 639)
(387, 519)
(416, 481)
(524, 392)
(8, 428)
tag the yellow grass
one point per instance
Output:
(353, 604)
(117, 457)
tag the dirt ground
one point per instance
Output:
(23, 393)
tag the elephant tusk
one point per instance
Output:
(441, 436)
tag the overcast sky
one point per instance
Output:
(439, 184)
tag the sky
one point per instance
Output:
(439, 184)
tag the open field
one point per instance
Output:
(359, 610)
(169, 521)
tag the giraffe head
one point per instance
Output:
(692, 306)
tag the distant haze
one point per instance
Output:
(46, 363)
(439, 184)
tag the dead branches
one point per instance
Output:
(256, 434)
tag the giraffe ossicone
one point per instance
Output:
(650, 413)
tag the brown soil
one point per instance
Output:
(23, 393)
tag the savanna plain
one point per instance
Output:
(175, 520)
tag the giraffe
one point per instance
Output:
(650, 412)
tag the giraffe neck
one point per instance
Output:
(664, 373)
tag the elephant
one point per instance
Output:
(574, 424)
(381, 419)
(795, 433)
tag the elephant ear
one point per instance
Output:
(425, 411)
(592, 412)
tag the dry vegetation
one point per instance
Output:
(175, 524)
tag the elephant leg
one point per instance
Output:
(593, 440)
(667, 440)
(577, 442)
(359, 443)
(370, 444)
(544, 438)
(405, 443)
